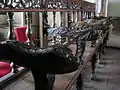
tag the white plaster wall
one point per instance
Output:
(114, 8)
(18, 18)
(58, 19)
(3, 19)
(98, 6)
(93, 1)
(50, 18)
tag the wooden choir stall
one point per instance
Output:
(56, 54)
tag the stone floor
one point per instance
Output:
(108, 76)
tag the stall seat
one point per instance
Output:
(20, 33)
(5, 68)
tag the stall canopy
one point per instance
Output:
(41, 5)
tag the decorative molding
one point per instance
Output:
(45, 5)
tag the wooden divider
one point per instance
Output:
(66, 81)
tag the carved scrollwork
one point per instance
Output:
(20, 3)
(41, 4)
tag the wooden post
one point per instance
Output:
(94, 14)
(99, 55)
(54, 16)
(74, 16)
(82, 15)
(79, 82)
(62, 18)
(69, 19)
(88, 15)
(78, 16)
(11, 34)
(10, 21)
(93, 66)
(67, 24)
(29, 31)
(45, 27)
(35, 27)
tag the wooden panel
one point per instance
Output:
(66, 78)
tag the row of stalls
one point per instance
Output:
(72, 33)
